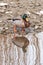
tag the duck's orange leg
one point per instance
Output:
(15, 31)
(23, 30)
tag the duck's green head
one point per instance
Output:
(25, 17)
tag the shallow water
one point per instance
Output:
(11, 54)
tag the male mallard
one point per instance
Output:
(21, 22)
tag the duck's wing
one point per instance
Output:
(17, 22)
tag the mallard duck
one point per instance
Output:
(21, 42)
(21, 22)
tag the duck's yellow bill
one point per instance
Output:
(27, 19)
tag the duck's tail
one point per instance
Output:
(13, 19)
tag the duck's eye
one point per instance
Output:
(27, 19)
